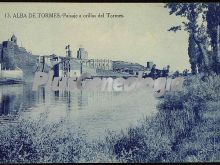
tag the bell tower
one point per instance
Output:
(68, 51)
(14, 39)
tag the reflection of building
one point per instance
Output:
(82, 54)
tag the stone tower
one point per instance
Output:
(82, 53)
(68, 51)
(14, 39)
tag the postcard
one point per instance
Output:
(109, 82)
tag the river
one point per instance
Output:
(93, 112)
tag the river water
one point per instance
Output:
(93, 112)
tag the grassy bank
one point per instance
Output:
(186, 128)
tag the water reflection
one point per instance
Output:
(5, 104)
(93, 111)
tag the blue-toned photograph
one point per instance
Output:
(109, 82)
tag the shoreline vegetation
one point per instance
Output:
(185, 129)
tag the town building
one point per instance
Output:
(104, 64)
(15, 57)
(82, 54)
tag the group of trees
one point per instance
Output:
(202, 22)
(155, 73)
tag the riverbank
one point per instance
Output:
(185, 128)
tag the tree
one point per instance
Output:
(198, 38)
(153, 71)
(213, 25)
(192, 52)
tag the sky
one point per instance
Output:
(139, 36)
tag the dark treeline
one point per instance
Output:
(202, 22)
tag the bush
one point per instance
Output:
(174, 134)
(40, 141)
(184, 129)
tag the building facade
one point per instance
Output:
(82, 54)
(104, 64)
(13, 56)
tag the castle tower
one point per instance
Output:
(14, 39)
(82, 53)
(68, 51)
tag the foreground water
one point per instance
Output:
(90, 112)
